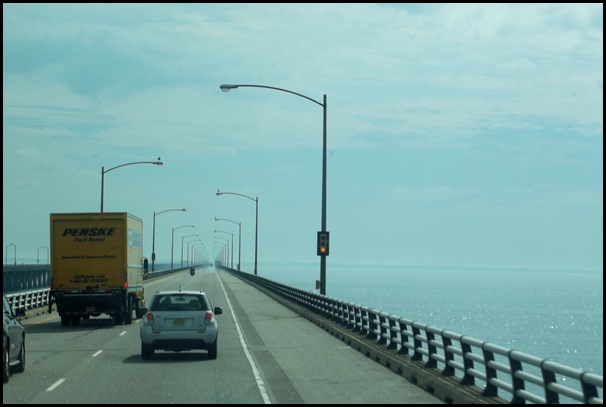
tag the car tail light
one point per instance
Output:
(209, 318)
(148, 319)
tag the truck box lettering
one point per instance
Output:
(89, 232)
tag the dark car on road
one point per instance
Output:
(14, 341)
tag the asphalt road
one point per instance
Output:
(266, 354)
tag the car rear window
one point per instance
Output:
(179, 302)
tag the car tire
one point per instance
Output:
(6, 370)
(146, 351)
(212, 350)
(21, 366)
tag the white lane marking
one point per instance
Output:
(123, 333)
(260, 383)
(54, 386)
(97, 353)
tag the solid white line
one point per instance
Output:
(57, 383)
(260, 383)
(97, 353)
(122, 333)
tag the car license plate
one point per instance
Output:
(90, 308)
(178, 322)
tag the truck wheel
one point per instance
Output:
(65, 320)
(119, 318)
(128, 316)
(75, 320)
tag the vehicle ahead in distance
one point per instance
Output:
(14, 341)
(180, 320)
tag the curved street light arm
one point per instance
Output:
(103, 171)
(138, 162)
(235, 193)
(228, 87)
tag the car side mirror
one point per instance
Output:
(19, 312)
(143, 310)
(218, 310)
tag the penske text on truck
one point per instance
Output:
(97, 266)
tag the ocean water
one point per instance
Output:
(556, 315)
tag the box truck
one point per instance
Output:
(97, 266)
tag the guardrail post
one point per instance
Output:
(448, 355)
(516, 383)
(551, 397)
(431, 362)
(491, 373)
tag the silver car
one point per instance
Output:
(180, 320)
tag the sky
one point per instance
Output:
(458, 135)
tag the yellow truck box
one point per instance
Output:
(97, 265)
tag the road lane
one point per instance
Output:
(266, 354)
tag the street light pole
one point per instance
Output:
(38, 258)
(228, 87)
(239, 238)
(6, 253)
(256, 199)
(188, 243)
(232, 245)
(103, 171)
(154, 236)
(182, 246)
(193, 255)
(172, 243)
(227, 251)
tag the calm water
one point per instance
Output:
(548, 314)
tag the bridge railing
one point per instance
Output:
(513, 376)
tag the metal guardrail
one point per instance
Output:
(514, 376)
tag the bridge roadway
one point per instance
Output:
(267, 354)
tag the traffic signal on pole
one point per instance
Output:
(323, 240)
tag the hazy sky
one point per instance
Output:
(458, 135)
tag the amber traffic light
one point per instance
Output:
(323, 243)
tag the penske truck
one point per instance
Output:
(97, 266)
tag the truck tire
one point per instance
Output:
(119, 317)
(128, 315)
(75, 320)
(65, 320)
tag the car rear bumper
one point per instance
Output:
(178, 340)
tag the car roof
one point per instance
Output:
(181, 292)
